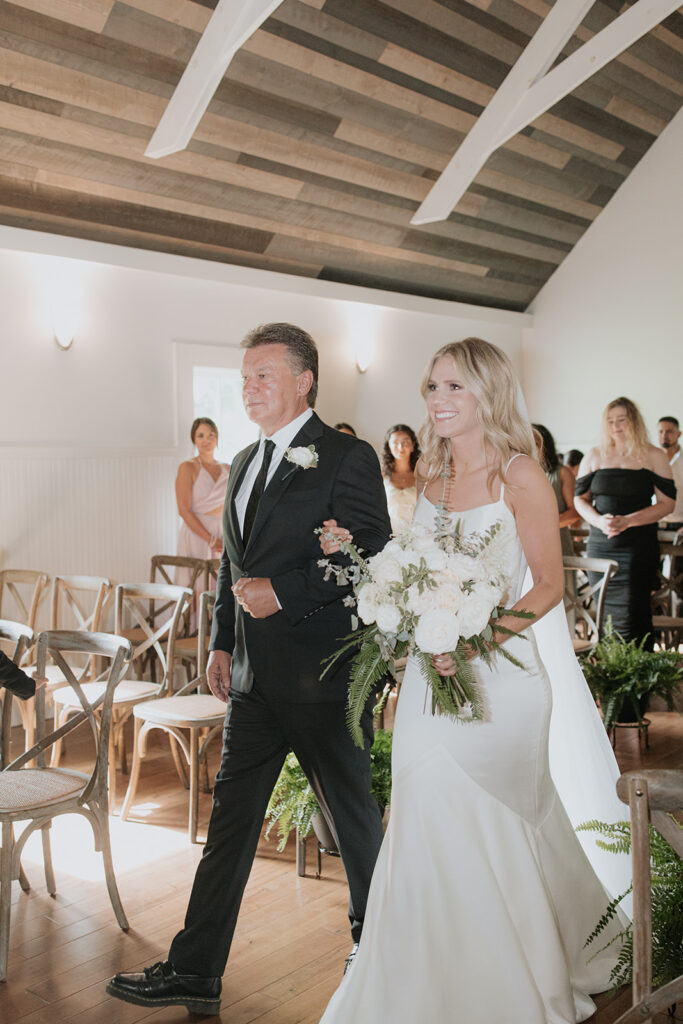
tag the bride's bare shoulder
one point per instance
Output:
(524, 472)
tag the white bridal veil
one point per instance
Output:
(582, 762)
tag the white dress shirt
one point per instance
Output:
(677, 469)
(282, 440)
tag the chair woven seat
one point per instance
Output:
(31, 788)
(195, 708)
(128, 689)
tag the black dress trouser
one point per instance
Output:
(259, 732)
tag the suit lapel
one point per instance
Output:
(309, 434)
(239, 467)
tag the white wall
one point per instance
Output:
(610, 320)
(89, 438)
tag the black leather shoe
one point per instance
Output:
(159, 985)
(351, 957)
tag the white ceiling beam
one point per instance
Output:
(558, 26)
(584, 62)
(230, 25)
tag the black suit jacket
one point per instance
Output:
(284, 651)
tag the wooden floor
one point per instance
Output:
(292, 933)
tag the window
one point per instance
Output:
(217, 393)
(209, 383)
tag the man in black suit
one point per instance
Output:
(275, 619)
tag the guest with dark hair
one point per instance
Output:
(346, 428)
(400, 453)
(562, 481)
(572, 460)
(616, 484)
(668, 435)
(200, 489)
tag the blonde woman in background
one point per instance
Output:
(615, 486)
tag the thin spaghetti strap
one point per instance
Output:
(509, 463)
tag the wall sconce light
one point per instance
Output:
(63, 341)
(64, 320)
(365, 353)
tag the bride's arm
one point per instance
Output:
(532, 501)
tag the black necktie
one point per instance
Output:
(257, 490)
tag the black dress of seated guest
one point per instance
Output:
(619, 492)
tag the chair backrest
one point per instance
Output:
(206, 606)
(579, 537)
(212, 567)
(22, 589)
(54, 644)
(652, 795)
(15, 639)
(133, 600)
(163, 569)
(669, 537)
(669, 594)
(83, 596)
(584, 601)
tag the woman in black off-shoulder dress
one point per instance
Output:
(615, 488)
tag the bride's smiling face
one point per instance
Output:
(451, 407)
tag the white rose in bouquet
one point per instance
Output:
(368, 598)
(437, 631)
(460, 567)
(476, 610)
(388, 618)
(419, 601)
(384, 568)
(435, 559)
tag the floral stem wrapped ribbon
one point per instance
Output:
(425, 593)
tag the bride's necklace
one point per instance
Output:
(442, 523)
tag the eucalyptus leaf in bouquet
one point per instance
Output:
(426, 593)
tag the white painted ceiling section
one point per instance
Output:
(530, 89)
(230, 25)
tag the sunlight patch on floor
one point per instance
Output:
(134, 845)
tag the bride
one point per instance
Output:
(482, 898)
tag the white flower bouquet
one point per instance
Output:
(426, 593)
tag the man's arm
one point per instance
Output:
(359, 503)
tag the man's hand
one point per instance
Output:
(218, 671)
(256, 595)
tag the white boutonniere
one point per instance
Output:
(306, 458)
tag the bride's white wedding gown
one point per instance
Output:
(482, 897)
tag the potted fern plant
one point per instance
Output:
(293, 804)
(667, 902)
(622, 675)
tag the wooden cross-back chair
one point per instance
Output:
(584, 601)
(132, 604)
(21, 591)
(204, 575)
(39, 794)
(579, 535)
(81, 601)
(667, 601)
(652, 795)
(191, 718)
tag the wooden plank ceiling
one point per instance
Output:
(324, 137)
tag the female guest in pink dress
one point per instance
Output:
(200, 492)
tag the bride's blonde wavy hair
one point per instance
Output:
(486, 371)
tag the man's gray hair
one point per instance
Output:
(301, 349)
